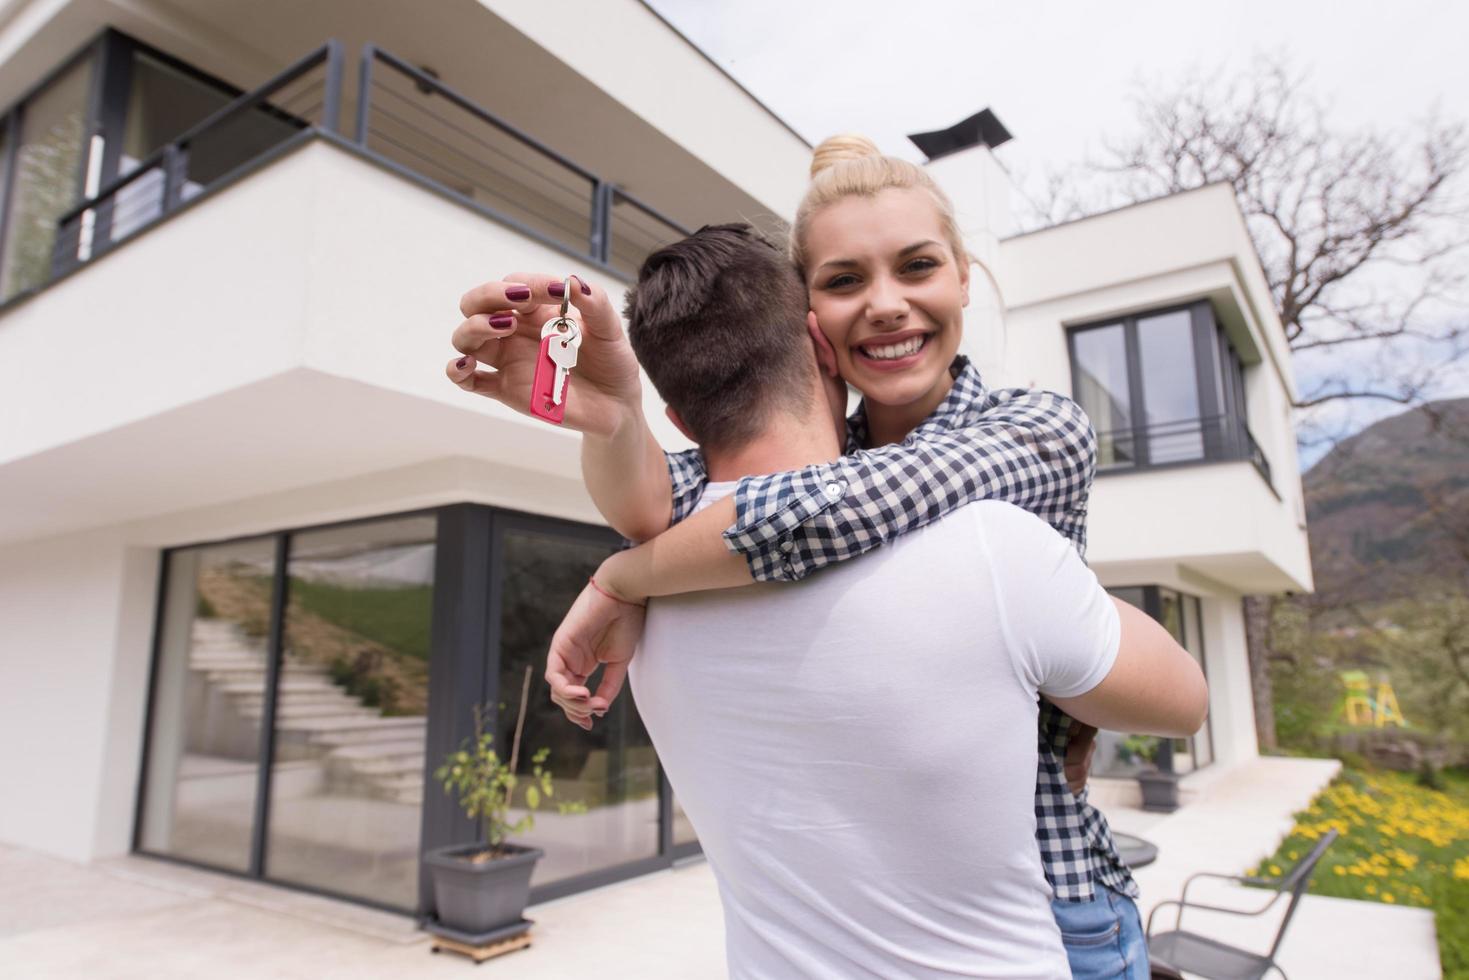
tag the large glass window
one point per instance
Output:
(1124, 754)
(611, 771)
(1103, 389)
(1162, 388)
(345, 656)
(1165, 346)
(47, 179)
(208, 689)
(347, 778)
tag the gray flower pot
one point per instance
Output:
(1160, 791)
(481, 898)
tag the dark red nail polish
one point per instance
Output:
(517, 294)
(556, 289)
(502, 320)
(461, 362)
(585, 289)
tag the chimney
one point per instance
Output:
(961, 161)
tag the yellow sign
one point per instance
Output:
(1363, 709)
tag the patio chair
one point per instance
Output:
(1193, 953)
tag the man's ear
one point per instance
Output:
(678, 424)
(826, 355)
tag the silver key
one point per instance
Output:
(562, 351)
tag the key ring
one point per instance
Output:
(565, 304)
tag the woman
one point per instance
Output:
(880, 252)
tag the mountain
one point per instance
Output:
(1388, 508)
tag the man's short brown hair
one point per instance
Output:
(718, 321)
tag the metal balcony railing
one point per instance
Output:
(405, 119)
(1211, 439)
(305, 98)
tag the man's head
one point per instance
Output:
(718, 321)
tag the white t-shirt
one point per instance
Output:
(857, 751)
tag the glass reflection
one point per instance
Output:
(209, 688)
(1102, 390)
(48, 167)
(347, 780)
(611, 770)
(1166, 351)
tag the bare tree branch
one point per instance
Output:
(1361, 234)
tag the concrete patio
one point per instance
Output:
(138, 918)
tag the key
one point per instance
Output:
(560, 339)
(562, 351)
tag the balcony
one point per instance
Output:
(262, 305)
(406, 120)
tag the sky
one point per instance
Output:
(1061, 75)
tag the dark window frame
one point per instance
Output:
(463, 671)
(111, 53)
(1218, 380)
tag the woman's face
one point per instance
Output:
(888, 294)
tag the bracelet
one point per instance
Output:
(625, 602)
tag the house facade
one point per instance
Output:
(260, 562)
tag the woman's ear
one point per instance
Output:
(826, 355)
(678, 424)
(964, 282)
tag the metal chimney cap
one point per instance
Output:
(981, 129)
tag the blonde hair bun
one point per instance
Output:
(835, 149)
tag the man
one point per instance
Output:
(861, 819)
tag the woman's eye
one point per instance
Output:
(920, 265)
(841, 281)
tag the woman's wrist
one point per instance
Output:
(617, 579)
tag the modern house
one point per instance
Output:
(259, 560)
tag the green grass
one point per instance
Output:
(396, 618)
(1400, 844)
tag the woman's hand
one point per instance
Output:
(502, 331)
(600, 629)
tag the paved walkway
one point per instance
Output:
(137, 918)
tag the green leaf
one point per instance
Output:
(532, 797)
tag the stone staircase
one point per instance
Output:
(362, 753)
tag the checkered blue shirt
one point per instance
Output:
(1034, 449)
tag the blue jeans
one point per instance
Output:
(1103, 937)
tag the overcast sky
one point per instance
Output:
(1059, 75)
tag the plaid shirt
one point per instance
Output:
(1034, 449)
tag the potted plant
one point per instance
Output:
(481, 889)
(1157, 779)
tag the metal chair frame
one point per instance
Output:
(1295, 881)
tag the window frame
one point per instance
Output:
(1223, 415)
(464, 664)
(111, 53)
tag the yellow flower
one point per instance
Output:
(1387, 897)
(1339, 870)
(1274, 869)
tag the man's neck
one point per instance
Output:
(787, 443)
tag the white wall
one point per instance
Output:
(75, 615)
(218, 388)
(1231, 701)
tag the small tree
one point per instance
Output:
(486, 785)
